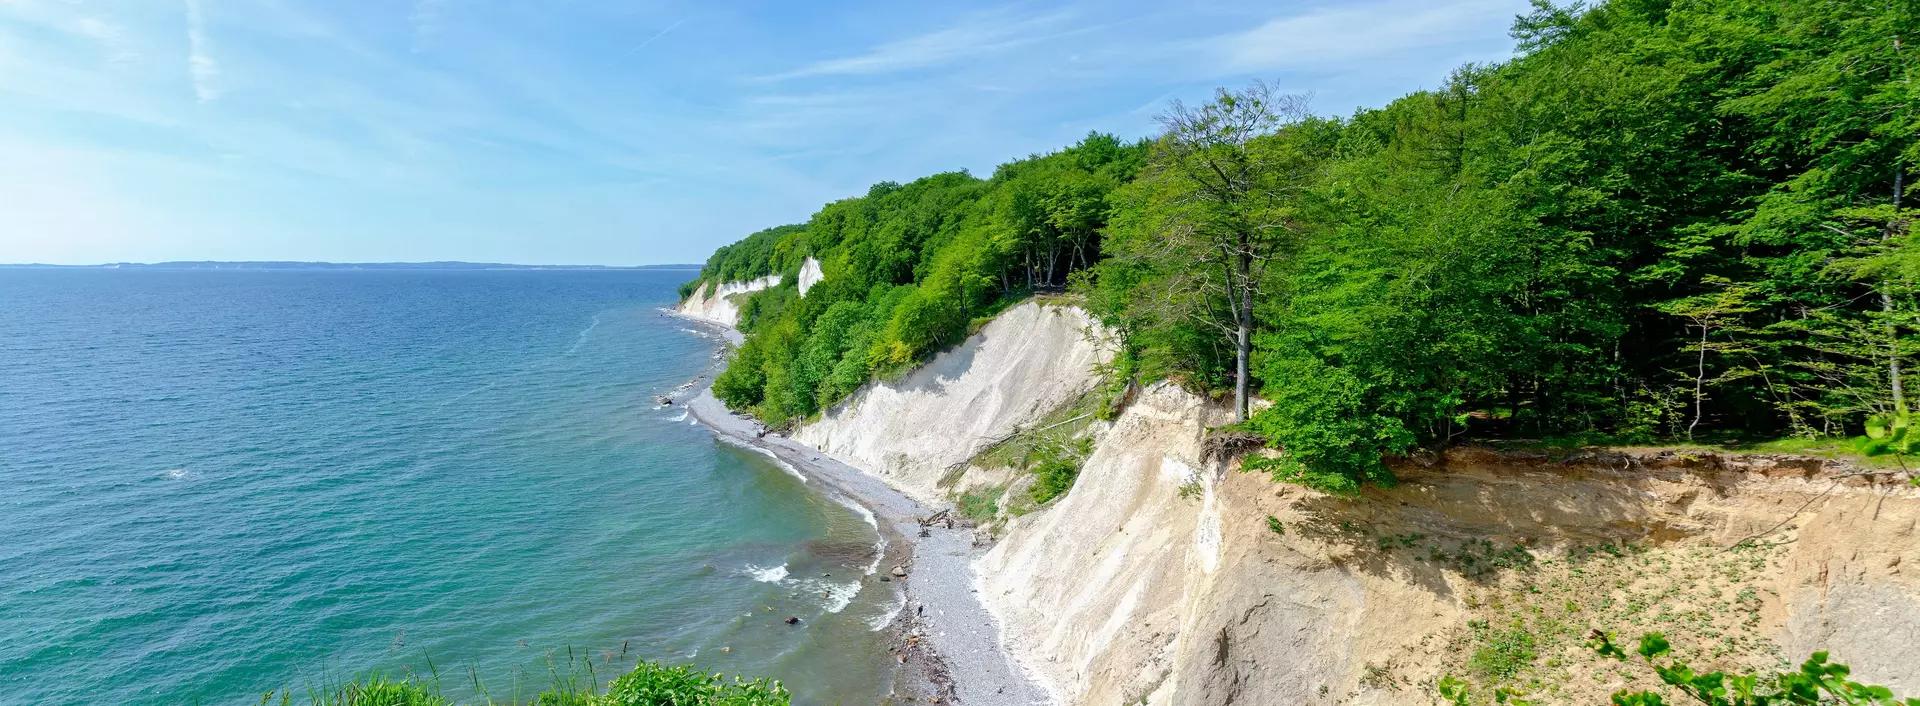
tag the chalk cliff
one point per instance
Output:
(1167, 577)
(722, 304)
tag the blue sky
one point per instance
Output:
(604, 132)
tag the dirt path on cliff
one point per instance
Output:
(947, 643)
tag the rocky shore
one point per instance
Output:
(946, 643)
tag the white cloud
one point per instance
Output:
(200, 64)
(974, 37)
(1348, 33)
(111, 37)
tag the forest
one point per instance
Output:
(1661, 221)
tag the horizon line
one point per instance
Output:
(328, 264)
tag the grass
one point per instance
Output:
(1829, 447)
(1527, 625)
(649, 684)
(1052, 450)
(980, 504)
(1503, 652)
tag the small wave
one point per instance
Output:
(682, 417)
(773, 575)
(885, 618)
(879, 550)
(178, 474)
(835, 597)
(858, 509)
(582, 338)
(782, 463)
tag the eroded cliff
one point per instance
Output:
(916, 430)
(1167, 577)
(720, 303)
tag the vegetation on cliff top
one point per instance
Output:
(1663, 219)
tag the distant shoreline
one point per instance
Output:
(274, 265)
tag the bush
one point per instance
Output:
(649, 684)
(1818, 681)
(654, 684)
(1326, 422)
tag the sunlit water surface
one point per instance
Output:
(216, 484)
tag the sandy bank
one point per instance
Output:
(947, 643)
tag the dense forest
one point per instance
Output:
(1662, 220)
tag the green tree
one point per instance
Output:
(1218, 205)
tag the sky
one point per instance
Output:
(602, 131)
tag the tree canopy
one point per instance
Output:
(1661, 219)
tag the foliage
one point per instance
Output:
(1889, 434)
(1055, 466)
(907, 271)
(1215, 213)
(649, 684)
(654, 684)
(1504, 653)
(1053, 449)
(980, 505)
(1663, 218)
(1656, 196)
(1817, 682)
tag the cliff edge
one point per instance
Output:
(1165, 576)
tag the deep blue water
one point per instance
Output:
(216, 484)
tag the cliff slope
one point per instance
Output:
(915, 430)
(723, 305)
(1167, 577)
(1481, 565)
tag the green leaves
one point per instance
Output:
(1455, 691)
(1817, 682)
(1888, 433)
(1662, 219)
(654, 684)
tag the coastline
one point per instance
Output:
(946, 644)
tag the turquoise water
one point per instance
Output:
(215, 484)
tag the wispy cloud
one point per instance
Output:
(516, 125)
(976, 36)
(200, 64)
(111, 37)
(1350, 32)
(656, 36)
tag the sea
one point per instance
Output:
(216, 485)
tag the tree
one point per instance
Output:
(1716, 311)
(1218, 204)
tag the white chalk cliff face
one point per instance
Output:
(1159, 577)
(810, 274)
(723, 307)
(1022, 365)
(1124, 590)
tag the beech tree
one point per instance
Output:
(1217, 206)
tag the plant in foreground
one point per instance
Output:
(649, 684)
(1818, 681)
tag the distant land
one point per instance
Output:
(280, 265)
